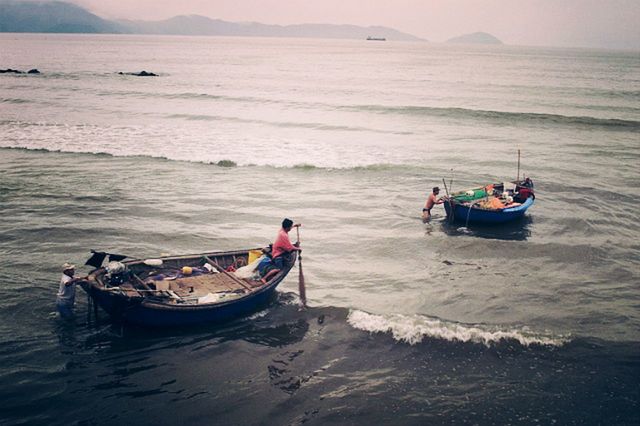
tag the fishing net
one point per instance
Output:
(477, 194)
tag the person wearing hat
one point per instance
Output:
(431, 201)
(66, 296)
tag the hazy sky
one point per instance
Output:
(596, 23)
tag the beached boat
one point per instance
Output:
(490, 204)
(180, 290)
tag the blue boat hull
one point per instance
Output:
(156, 312)
(153, 314)
(462, 213)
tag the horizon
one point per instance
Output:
(571, 23)
(536, 23)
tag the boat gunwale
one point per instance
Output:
(515, 209)
(94, 283)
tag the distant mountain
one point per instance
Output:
(201, 25)
(61, 17)
(50, 17)
(475, 38)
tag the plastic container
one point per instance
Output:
(254, 255)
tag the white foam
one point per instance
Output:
(412, 329)
(202, 143)
(257, 315)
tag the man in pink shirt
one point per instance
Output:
(281, 248)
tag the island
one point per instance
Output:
(475, 38)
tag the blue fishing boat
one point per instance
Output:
(490, 204)
(181, 290)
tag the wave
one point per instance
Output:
(415, 328)
(15, 101)
(287, 124)
(225, 163)
(527, 117)
(533, 118)
(305, 166)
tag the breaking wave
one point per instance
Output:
(414, 329)
(226, 163)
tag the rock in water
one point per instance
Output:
(139, 74)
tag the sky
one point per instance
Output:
(579, 23)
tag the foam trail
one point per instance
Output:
(415, 328)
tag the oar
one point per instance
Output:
(301, 288)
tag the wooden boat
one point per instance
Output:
(478, 205)
(156, 292)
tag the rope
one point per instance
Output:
(466, 225)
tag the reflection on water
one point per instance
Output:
(277, 325)
(516, 230)
(320, 368)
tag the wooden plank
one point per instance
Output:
(140, 282)
(147, 288)
(222, 271)
(209, 282)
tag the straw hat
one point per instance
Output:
(68, 266)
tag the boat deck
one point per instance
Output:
(211, 283)
(189, 289)
(160, 292)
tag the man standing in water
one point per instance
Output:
(431, 201)
(66, 296)
(281, 249)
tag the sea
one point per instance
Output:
(534, 322)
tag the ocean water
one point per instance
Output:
(537, 322)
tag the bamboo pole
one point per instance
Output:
(222, 271)
(445, 186)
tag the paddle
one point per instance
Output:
(301, 288)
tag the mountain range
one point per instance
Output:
(62, 17)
